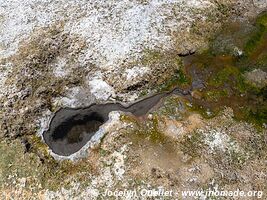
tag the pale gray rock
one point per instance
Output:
(257, 77)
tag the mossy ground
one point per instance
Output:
(221, 70)
(177, 79)
(257, 39)
(222, 73)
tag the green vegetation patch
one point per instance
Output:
(258, 37)
(215, 95)
(179, 78)
(228, 76)
(146, 130)
(221, 71)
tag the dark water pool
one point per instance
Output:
(70, 129)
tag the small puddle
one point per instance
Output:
(70, 129)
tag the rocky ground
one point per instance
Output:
(177, 155)
(55, 54)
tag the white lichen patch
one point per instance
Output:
(69, 100)
(74, 97)
(121, 30)
(260, 3)
(101, 89)
(119, 166)
(135, 73)
(60, 69)
(19, 18)
(217, 139)
(114, 31)
(5, 69)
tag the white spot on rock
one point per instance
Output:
(100, 89)
(260, 3)
(136, 72)
(219, 140)
(60, 69)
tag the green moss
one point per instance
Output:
(215, 95)
(61, 174)
(255, 109)
(154, 134)
(179, 78)
(146, 130)
(255, 40)
(261, 62)
(128, 119)
(205, 112)
(257, 116)
(236, 158)
(262, 19)
(15, 164)
(224, 75)
(225, 85)
(174, 107)
(228, 75)
(103, 152)
(257, 37)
